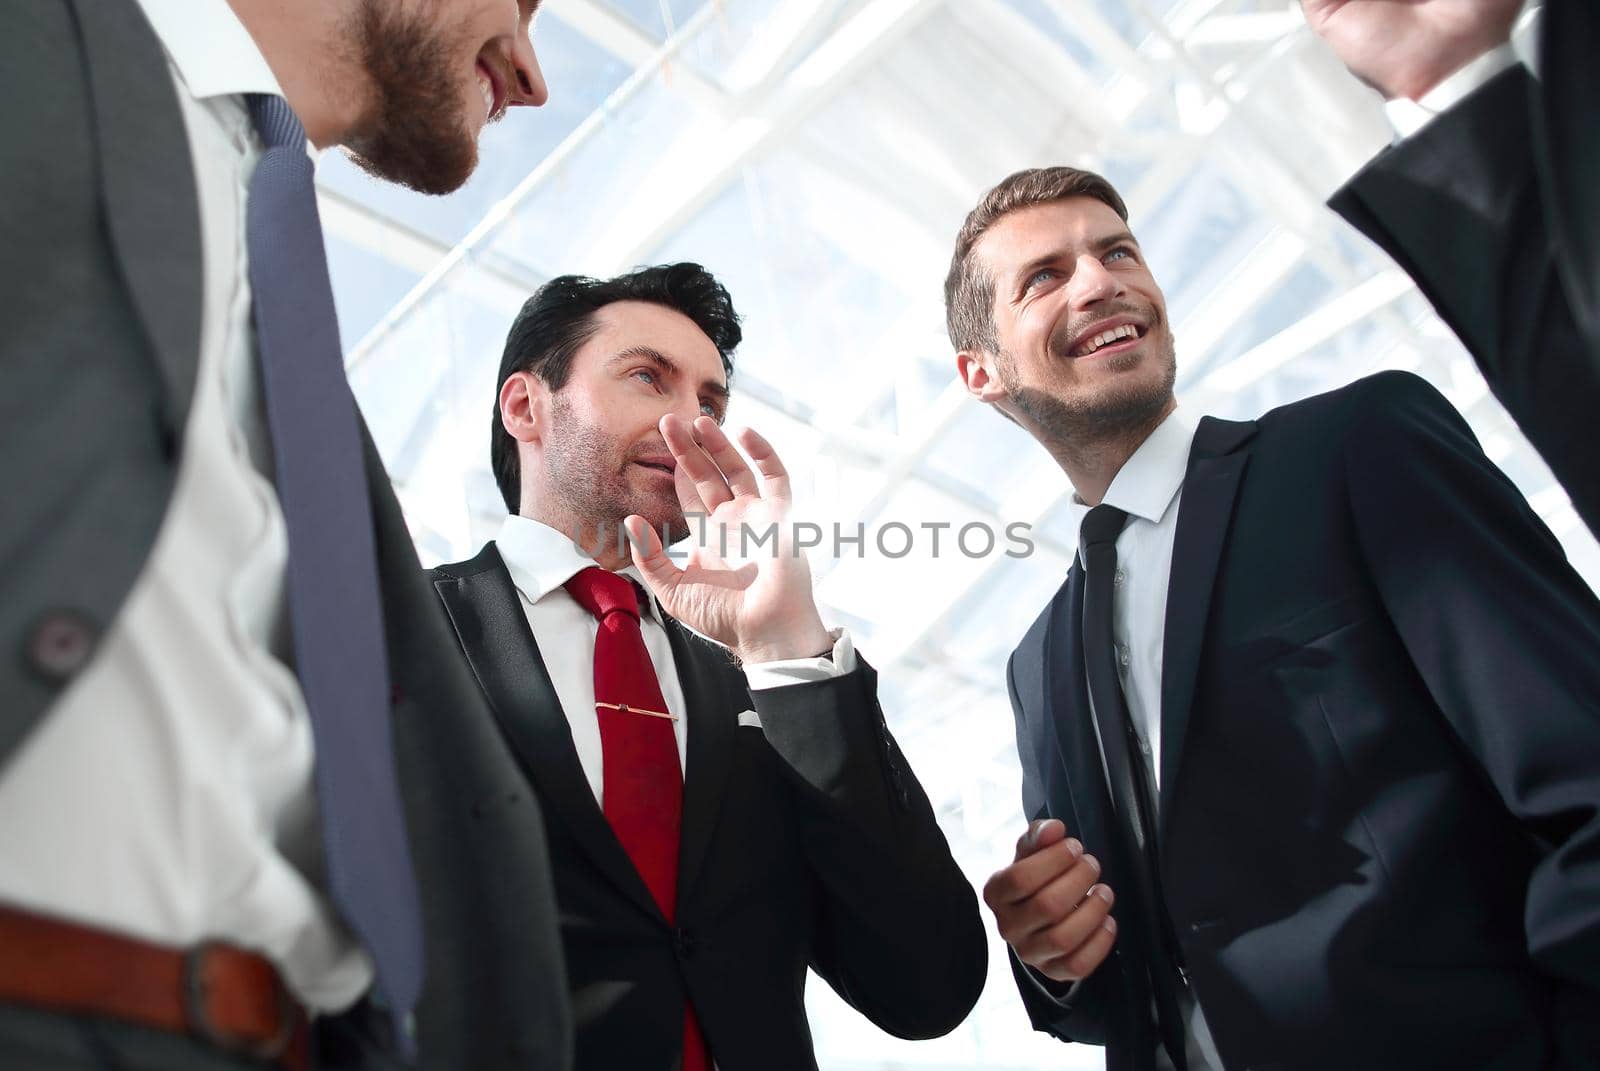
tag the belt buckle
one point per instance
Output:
(196, 992)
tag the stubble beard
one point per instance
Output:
(1129, 407)
(585, 469)
(414, 133)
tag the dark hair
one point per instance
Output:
(968, 288)
(559, 318)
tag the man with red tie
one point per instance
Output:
(721, 814)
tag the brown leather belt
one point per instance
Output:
(229, 997)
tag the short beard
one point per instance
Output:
(414, 133)
(583, 471)
(1075, 424)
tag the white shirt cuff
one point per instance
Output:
(779, 674)
(1409, 116)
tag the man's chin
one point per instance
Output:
(670, 523)
(420, 162)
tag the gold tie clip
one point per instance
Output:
(626, 709)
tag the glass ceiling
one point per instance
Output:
(818, 156)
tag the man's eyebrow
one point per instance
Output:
(648, 353)
(1111, 241)
(1096, 246)
(668, 365)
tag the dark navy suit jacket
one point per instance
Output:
(1380, 765)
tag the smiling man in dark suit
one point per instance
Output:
(721, 814)
(1310, 735)
(220, 646)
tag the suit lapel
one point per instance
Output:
(1216, 463)
(147, 182)
(489, 620)
(712, 707)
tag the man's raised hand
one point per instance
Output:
(1404, 48)
(758, 604)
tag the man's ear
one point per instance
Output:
(524, 407)
(977, 371)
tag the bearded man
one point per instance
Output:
(222, 649)
(722, 814)
(1308, 736)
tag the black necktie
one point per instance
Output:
(1129, 777)
(334, 606)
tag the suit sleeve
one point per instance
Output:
(1507, 638)
(1459, 207)
(899, 935)
(1075, 1012)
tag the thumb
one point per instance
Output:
(661, 574)
(1041, 834)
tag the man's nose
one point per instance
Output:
(687, 408)
(527, 83)
(1092, 281)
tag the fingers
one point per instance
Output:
(1051, 901)
(774, 477)
(1040, 834)
(1086, 958)
(661, 574)
(1059, 919)
(736, 474)
(694, 463)
(711, 470)
(1032, 872)
(1050, 905)
(688, 496)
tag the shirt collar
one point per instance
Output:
(541, 559)
(1149, 481)
(213, 52)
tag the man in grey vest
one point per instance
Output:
(249, 813)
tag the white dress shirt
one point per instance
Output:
(1149, 488)
(541, 560)
(168, 792)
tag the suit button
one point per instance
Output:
(683, 943)
(60, 643)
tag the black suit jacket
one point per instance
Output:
(1379, 811)
(100, 301)
(806, 840)
(1494, 209)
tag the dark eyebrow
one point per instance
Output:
(1111, 241)
(1097, 246)
(648, 353)
(667, 365)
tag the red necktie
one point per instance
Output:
(642, 780)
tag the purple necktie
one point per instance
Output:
(334, 605)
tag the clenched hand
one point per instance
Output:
(1050, 906)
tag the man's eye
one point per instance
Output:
(1119, 253)
(710, 410)
(1043, 275)
(644, 375)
